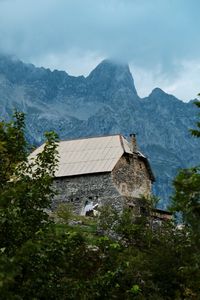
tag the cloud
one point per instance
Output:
(73, 62)
(151, 34)
(185, 85)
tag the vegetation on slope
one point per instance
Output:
(41, 259)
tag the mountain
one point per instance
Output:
(105, 102)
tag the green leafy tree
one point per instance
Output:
(186, 201)
(13, 146)
(196, 132)
(186, 198)
(26, 188)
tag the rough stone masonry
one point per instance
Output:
(130, 179)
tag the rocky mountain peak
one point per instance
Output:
(111, 74)
(159, 96)
(157, 92)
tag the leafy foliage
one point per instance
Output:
(187, 197)
(196, 132)
(40, 259)
(186, 201)
(13, 146)
(26, 188)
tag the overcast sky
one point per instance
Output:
(160, 39)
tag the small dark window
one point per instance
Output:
(123, 187)
(143, 211)
(130, 207)
(71, 200)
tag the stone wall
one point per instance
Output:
(131, 177)
(125, 184)
(78, 190)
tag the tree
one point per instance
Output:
(196, 132)
(13, 146)
(186, 198)
(186, 201)
(25, 189)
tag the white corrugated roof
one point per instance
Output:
(89, 155)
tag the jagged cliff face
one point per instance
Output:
(105, 102)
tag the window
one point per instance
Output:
(143, 211)
(123, 188)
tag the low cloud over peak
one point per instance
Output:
(151, 35)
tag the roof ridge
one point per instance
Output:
(90, 137)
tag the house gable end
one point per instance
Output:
(131, 176)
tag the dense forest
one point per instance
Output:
(113, 256)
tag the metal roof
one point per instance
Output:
(92, 155)
(89, 155)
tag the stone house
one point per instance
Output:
(101, 170)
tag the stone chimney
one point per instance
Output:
(133, 143)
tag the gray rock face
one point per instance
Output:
(105, 102)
